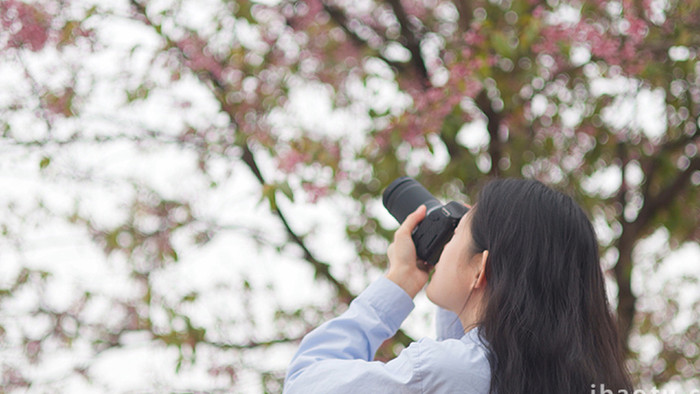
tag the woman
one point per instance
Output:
(523, 309)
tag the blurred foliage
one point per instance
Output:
(580, 95)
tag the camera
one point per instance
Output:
(403, 196)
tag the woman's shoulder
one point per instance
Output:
(468, 350)
(460, 362)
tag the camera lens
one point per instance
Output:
(404, 195)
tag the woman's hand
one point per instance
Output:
(403, 263)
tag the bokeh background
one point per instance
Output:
(189, 186)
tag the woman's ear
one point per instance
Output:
(481, 274)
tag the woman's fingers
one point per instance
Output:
(411, 221)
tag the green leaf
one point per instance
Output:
(286, 190)
(140, 93)
(500, 44)
(244, 10)
(45, 161)
(269, 193)
(190, 297)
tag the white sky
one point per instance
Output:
(78, 265)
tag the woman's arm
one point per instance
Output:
(337, 356)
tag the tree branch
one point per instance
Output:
(410, 41)
(626, 300)
(622, 191)
(339, 17)
(253, 344)
(493, 125)
(680, 142)
(631, 232)
(464, 8)
(322, 268)
(652, 204)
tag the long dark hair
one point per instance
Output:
(547, 322)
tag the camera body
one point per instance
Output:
(403, 196)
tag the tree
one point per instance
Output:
(165, 113)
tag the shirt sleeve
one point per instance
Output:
(337, 356)
(448, 325)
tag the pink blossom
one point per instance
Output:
(588, 130)
(459, 71)
(341, 176)
(33, 348)
(307, 13)
(383, 138)
(206, 63)
(414, 134)
(420, 101)
(411, 85)
(225, 370)
(475, 63)
(315, 192)
(28, 25)
(472, 88)
(637, 29)
(467, 53)
(346, 52)
(615, 48)
(331, 148)
(538, 12)
(60, 104)
(434, 94)
(415, 8)
(551, 37)
(606, 48)
(636, 67)
(452, 100)
(647, 5)
(12, 378)
(289, 161)
(198, 58)
(473, 36)
(629, 51)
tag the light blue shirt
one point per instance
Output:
(337, 356)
